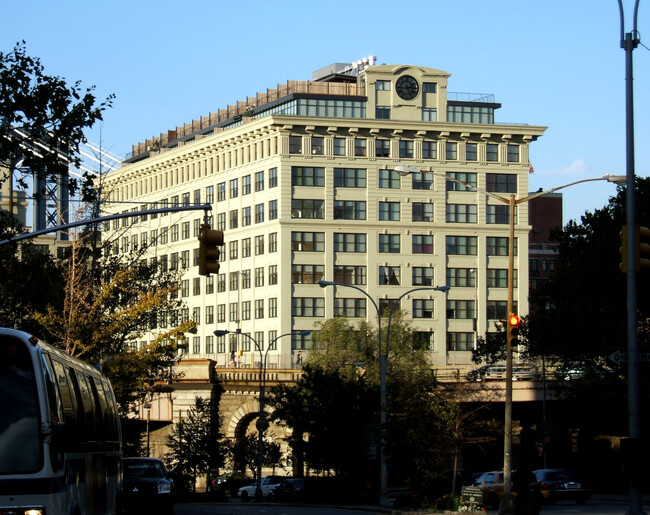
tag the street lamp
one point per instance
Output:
(506, 499)
(262, 424)
(383, 362)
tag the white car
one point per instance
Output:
(269, 483)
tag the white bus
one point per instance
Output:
(60, 440)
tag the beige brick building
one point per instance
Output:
(302, 182)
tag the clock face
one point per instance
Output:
(407, 87)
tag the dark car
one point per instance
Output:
(583, 371)
(146, 487)
(491, 484)
(562, 485)
(289, 490)
(478, 374)
(229, 483)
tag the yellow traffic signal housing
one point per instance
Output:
(513, 330)
(209, 242)
(642, 257)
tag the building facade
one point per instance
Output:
(302, 181)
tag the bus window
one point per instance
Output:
(53, 397)
(80, 414)
(100, 407)
(112, 432)
(65, 392)
(89, 406)
(20, 442)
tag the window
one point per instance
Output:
(185, 230)
(382, 148)
(463, 177)
(351, 308)
(349, 210)
(513, 153)
(246, 310)
(389, 179)
(234, 219)
(221, 283)
(259, 309)
(339, 146)
(461, 277)
(461, 245)
(382, 113)
(259, 277)
(273, 307)
(233, 312)
(221, 343)
(471, 152)
(385, 306)
(422, 276)
(209, 284)
(498, 278)
(498, 246)
(209, 315)
(308, 241)
(185, 288)
(295, 144)
(429, 150)
(389, 211)
(196, 345)
(209, 194)
(233, 249)
(429, 87)
(422, 340)
(389, 243)
(259, 245)
(429, 114)
(273, 274)
(350, 274)
(259, 213)
(300, 341)
(422, 308)
(501, 182)
(246, 216)
(460, 309)
(405, 148)
(308, 208)
(307, 176)
(234, 188)
(497, 309)
(422, 244)
(245, 279)
(196, 227)
(491, 152)
(317, 146)
(497, 214)
(246, 247)
(273, 242)
(460, 341)
(350, 177)
(422, 181)
(360, 147)
(422, 212)
(307, 274)
(389, 275)
(349, 242)
(273, 178)
(462, 213)
(221, 221)
(246, 185)
(174, 232)
(273, 210)
(234, 281)
(259, 181)
(451, 150)
(382, 85)
(308, 307)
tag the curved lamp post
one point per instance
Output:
(507, 505)
(262, 424)
(383, 362)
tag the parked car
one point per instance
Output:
(229, 483)
(291, 489)
(562, 485)
(268, 484)
(495, 373)
(478, 374)
(583, 371)
(523, 374)
(491, 483)
(146, 486)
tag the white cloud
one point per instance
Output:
(578, 167)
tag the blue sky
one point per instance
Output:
(555, 63)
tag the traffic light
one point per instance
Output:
(209, 242)
(513, 330)
(642, 257)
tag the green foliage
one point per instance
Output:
(46, 110)
(195, 444)
(243, 454)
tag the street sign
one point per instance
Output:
(621, 357)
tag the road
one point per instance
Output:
(593, 507)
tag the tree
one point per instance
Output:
(195, 444)
(42, 112)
